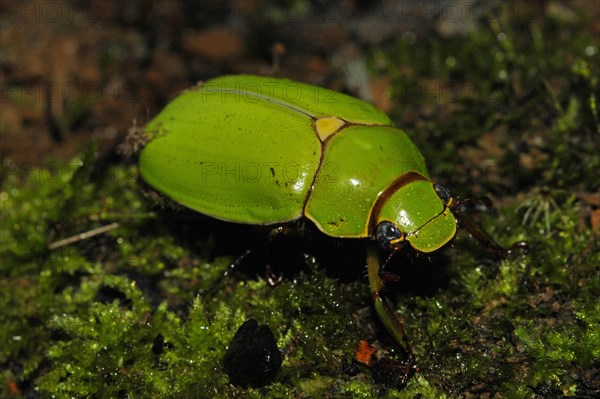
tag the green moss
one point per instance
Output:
(82, 317)
(488, 326)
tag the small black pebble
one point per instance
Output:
(253, 358)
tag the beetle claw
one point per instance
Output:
(272, 278)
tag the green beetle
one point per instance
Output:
(260, 150)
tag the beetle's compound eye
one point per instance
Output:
(442, 192)
(388, 235)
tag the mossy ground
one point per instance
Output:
(117, 315)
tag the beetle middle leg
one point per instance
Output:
(268, 251)
(226, 273)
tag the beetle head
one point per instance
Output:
(417, 213)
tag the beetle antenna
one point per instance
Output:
(480, 204)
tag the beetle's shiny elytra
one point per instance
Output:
(259, 150)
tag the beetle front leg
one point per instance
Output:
(389, 319)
